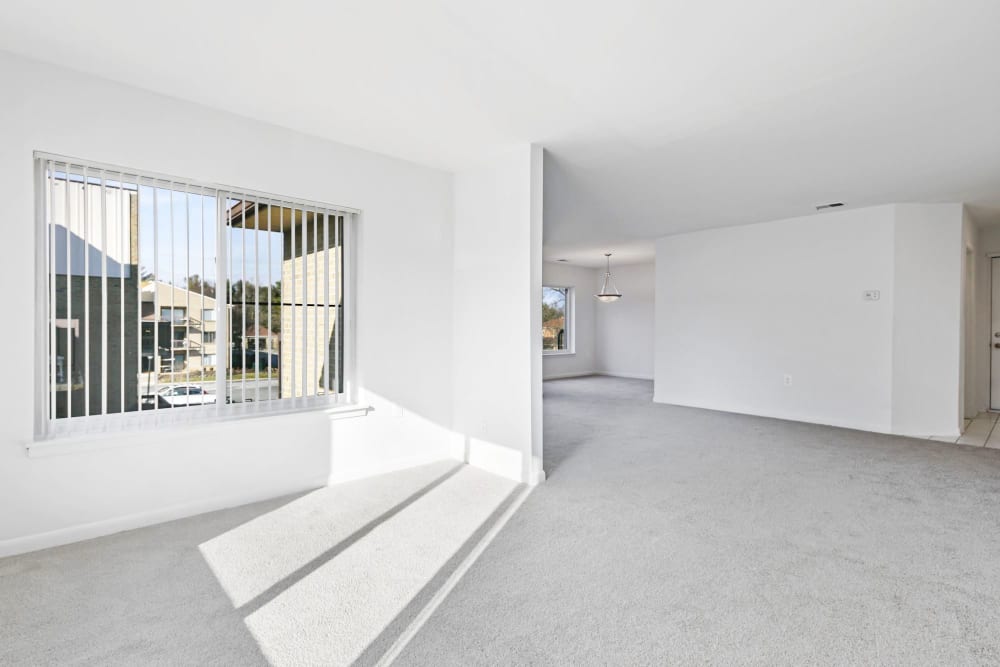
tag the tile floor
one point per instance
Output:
(979, 432)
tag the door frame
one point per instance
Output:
(988, 328)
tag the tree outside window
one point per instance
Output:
(555, 316)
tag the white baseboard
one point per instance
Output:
(610, 374)
(87, 531)
(784, 416)
(627, 376)
(566, 376)
(496, 459)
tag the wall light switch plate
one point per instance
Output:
(872, 295)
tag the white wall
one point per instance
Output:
(582, 361)
(404, 311)
(927, 319)
(497, 292)
(738, 309)
(624, 329)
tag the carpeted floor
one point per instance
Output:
(664, 535)
(330, 577)
(669, 535)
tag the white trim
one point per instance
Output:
(44, 249)
(498, 459)
(558, 353)
(87, 531)
(566, 376)
(538, 475)
(165, 179)
(94, 441)
(627, 376)
(348, 299)
(789, 417)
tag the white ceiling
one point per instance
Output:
(659, 116)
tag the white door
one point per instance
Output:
(995, 335)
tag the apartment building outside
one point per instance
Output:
(311, 295)
(185, 323)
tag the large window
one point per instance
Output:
(557, 319)
(128, 256)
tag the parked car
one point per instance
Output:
(154, 401)
(186, 394)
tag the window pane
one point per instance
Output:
(93, 359)
(126, 255)
(284, 297)
(132, 264)
(554, 325)
(177, 258)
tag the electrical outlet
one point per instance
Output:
(788, 380)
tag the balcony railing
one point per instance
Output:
(186, 322)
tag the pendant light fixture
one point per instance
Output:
(609, 291)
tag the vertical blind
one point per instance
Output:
(170, 301)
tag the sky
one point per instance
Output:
(180, 214)
(553, 297)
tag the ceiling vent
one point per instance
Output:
(823, 207)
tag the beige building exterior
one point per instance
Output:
(311, 297)
(187, 319)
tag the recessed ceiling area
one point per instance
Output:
(657, 118)
(592, 255)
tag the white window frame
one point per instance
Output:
(570, 322)
(71, 428)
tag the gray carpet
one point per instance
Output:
(664, 535)
(670, 535)
(330, 577)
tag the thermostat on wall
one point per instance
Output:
(871, 295)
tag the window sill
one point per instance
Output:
(92, 441)
(558, 353)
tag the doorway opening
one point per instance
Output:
(994, 401)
